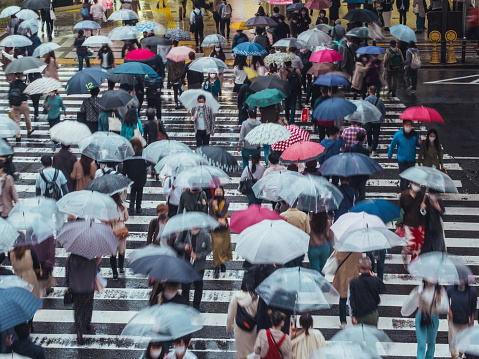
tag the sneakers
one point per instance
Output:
(409, 90)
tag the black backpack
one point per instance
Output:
(152, 88)
(15, 95)
(51, 188)
(198, 21)
(293, 78)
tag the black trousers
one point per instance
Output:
(373, 135)
(177, 91)
(172, 210)
(35, 102)
(185, 291)
(342, 309)
(199, 36)
(136, 195)
(49, 24)
(402, 167)
(402, 16)
(83, 309)
(93, 126)
(202, 139)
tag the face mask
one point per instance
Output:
(217, 48)
(415, 188)
(431, 139)
(212, 76)
(180, 350)
(162, 216)
(202, 104)
(433, 197)
(277, 51)
(407, 129)
(155, 353)
(53, 94)
(322, 15)
(219, 198)
(194, 231)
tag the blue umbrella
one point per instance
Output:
(331, 80)
(334, 109)
(378, 207)
(348, 165)
(370, 50)
(403, 33)
(85, 80)
(135, 68)
(249, 49)
(18, 306)
(295, 7)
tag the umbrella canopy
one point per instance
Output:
(45, 48)
(86, 25)
(239, 26)
(155, 151)
(385, 210)
(175, 163)
(135, 68)
(189, 99)
(25, 64)
(8, 127)
(270, 82)
(291, 42)
(295, 7)
(151, 250)
(123, 79)
(365, 112)
(89, 204)
(364, 33)
(314, 37)
(110, 184)
(269, 186)
(368, 239)
(124, 33)
(43, 85)
(166, 268)
(312, 194)
(123, 15)
(5, 149)
(334, 109)
(370, 50)
(321, 68)
(31, 26)
(46, 207)
(97, 41)
(147, 26)
(349, 164)
(324, 27)
(421, 114)
(179, 54)
(205, 64)
(441, 268)
(156, 41)
(318, 4)
(403, 33)
(360, 15)
(35, 227)
(178, 35)
(139, 54)
(36, 4)
(279, 58)
(326, 55)
(189, 220)
(467, 341)
(250, 73)
(249, 49)
(297, 289)
(13, 281)
(88, 239)
(270, 242)
(201, 176)
(260, 21)
(339, 350)
(106, 147)
(296, 135)
(18, 306)
(8, 235)
(219, 157)
(86, 79)
(164, 322)
(302, 152)
(331, 81)
(240, 220)
(113, 99)
(351, 221)
(69, 132)
(26, 14)
(265, 98)
(430, 178)
(267, 134)
(214, 40)
(368, 336)
(9, 11)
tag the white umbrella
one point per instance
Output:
(365, 112)
(8, 127)
(189, 99)
(352, 221)
(272, 242)
(69, 132)
(9, 11)
(31, 25)
(201, 176)
(157, 150)
(123, 33)
(89, 204)
(368, 239)
(205, 64)
(97, 41)
(16, 41)
(86, 25)
(467, 341)
(314, 37)
(26, 14)
(45, 48)
(123, 15)
(43, 85)
(189, 220)
(214, 40)
(173, 164)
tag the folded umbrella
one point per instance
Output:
(86, 25)
(333, 109)
(97, 41)
(189, 99)
(441, 268)
(150, 250)
(302, 152)
(5, 149)
(9, 11)
(214, 40)
(279, 58)
(371, 50)
(260, 21)
(249, 49)
(31, 26)
(178, 35)
(269, 186)
(326, 55)
(385, 210)
(240, 220)
(45, 48)
(352, 221)
(270, 82)
(176, 162)
(265, 98)
(467, 341)
(430, 178)
(360, 15)
(272, 242)
(201, 176)
(26, 14)
(155, 151)
(267, 134)
(69, 132)
(13, 281)
(368, 336)
(88, 239)
(349, 164)
(365, 112)
(296, 135)
(166, 268)
(8, 235)
(25, 64)
(147, 26)
(43, 85)
(124, 33)
(318, 4)
(135, 68)
(139, 55)
(89, 204)
(18, 306)
(106, 147)
(112, 99)
(188, 220)
(156, 41)
(8, 128)
(291, 42)
(368, 239)
(123, 79)
(110, 184)
(314, 37)
(36, 4)
(331, 81)
(421, 114)
(179, 54)
(403, 33)
(85, 80)
(123, 14)
(205, 64)
(219, 157)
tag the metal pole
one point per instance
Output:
(445, 8)
(463, 55)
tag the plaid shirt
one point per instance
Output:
(349, 134)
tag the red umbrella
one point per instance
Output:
(297, 135)
(240, 220)
(302, 152)
(421, 114)
(318, 4)
(139, 54)
(326, 55)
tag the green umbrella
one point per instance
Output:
(265, 98)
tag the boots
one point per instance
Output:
(121, 262)
(216, 273)
(114, 267)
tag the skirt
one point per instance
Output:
(414, 237)
(221, 241)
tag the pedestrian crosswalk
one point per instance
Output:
(53, 324)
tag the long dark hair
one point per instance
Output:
(319, 222)
(20, 251)
(255, 60)
(164, 350)
(306, 322)
(255, 157)
(131, 117)
(85, 164)
(240, 61)
(214, 52)
(119, 203)
(437, 144)
(50, 55)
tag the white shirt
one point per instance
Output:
(240, 75)
(192, 16)
(200, 121)
(49, 173)
(188, 355)
(172, 195)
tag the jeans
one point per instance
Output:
(136, 195)
(246, 153)
(342, 309)
(35, 103)
(410, 77)
(402, 167)
(202, 139)
(426, 336)
(290, 107)
(198, 285)
(199, 36)
(402, 16)
(225, 23)
(373, 135)
(80, 62)
(420, 22)
(318, 256)
(266, 149)
(381, 258)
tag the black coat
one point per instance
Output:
(64, 161)
(150, 131)
(364, 294)
(81, 50)
(404, 3)
(135, 169)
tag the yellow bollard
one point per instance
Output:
(435, 37)
(451, 36)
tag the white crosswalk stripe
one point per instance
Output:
(124, 297)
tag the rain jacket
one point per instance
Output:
(406, 151)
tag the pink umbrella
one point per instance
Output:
(326, 55)
(318, 4)
(302, 152)
(180, 53)
(297, 135)
(240, 220)
(277, 2)
(421, 114)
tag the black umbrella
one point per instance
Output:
(295, 7)
(123, 79)
(155, 41)
(219, 157)
(270, 82)
(36, 4)
(260, 21)
(166, 268)
(360, 15)
(112, 99)
(110, 184)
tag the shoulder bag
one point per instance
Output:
(426, 319)
(52, 13)
(244, 320)
(114, 123)
(246, 185)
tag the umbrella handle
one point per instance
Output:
(423, 212)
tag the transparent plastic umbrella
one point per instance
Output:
(26, 14)
(89, 204)
(46, 48)
(43, 206)
(8, 128)
(369, 337)
(205, 64)
(202, 176)
(16, 41)
(12, 281)
(467, 341)
(189, 220)
(189, 99)
(314, 37)
(343, 350)
(5, 149)
(123, 15)
(166, 322)
(9, 11)
(430, 178)
(97, 41)
(297, 289)
(35, 227)
(172, 165)
(106, 147)
(365, 112)
(269, 186)
(25, 64)
(69, 132)
(442, 268)
(214, 40)
(352, 221)
(8, 235)
(31, 26)
(368, 239)
(291, 42)
(86, 25)
(123, 33)
(150, 251)
(157, 150)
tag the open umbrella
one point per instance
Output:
(123, 79)
(147, 26)
(297, 289)
(89, 204)
(123, 15)
(441, 268)
(291, 42)
(45, 207)
(178, 35)
(26, 14)
(385, 210)
(5, 149)
(333, 109)
(421, 114)
(31, 26)
(321, 68)
(250, 73)
(8, 235)
(331, 80)
(360, 15)
(270, 82)
(139, 55)
(124, 33)
(352, 221)
(201, 176)
(324, 27)
(175, 163)
(368, 336)
(36, 4)
(155, 151)
(18, 306)
(35, 227)
(365, 112)
(13, 281)
(219, 157)
(403, 33)
(265, 98)
(151, 250)
(9, 11)
(97, 41)
(110, 184)
(166, 268)
(342, 350)
(156, 41)
(295, 7)
(370, 50)
(314, 37)
(214, 40)
(302, 152)
(326, 55)
(279, 58)
(8, 127)
(179, 54)
(368, 239)
(260, 21)
(430, 178)
(364, 33)
(267, 134)
(69, 132)
(113, 99)
(189, 99)
(349, 164)
(249, 49)
(25, 64)
(188, 220)
(135, 68)
(270, 242)
(296, 135)
(43, 85)
(88, 239)
(239, 26)
(85, 80)
(86, 25)
(318, 4)
(467, 341)
(269, 186)
(240, 220)
(106, 147)
(47, 47)
(205, 64)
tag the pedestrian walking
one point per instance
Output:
(8, 194)
(374, 74)
(430, 300)
(412, 65)
(50, 182)
(293, 76)
(18, 103)
(349, 133)
(53, 104)
(406, 140)
(393, 63)
(374, 128)
(180, 349)
(52, 66)
(403, 8)
(48, 15)
(155, 228)
(307, 339)
(221, 236)
(321, 239)
(430, 154)
(35, 98)
(347, 49)
(83, 172)
(91, 109)
(24, 261)
(172, 195)
(243, 95)
(273, 343)
(80, 274)
(12, 26)
(155, 350)
(64, 161)
(106, 57)
(294, 25)
(131, 125)
(361, 68)
(225, 10)
(419, 8)
(218, 53)
(82, 51)
(434, 210)
(350, 197)
(175, 69)
(212, 84)
(45, 252)
(262, 39)
(195, 78)
(193, 199)
(239, 38)
(150, 128)
(23, 345)
(194, 246)
(85, 14)
(97, 12)
(135, 168)
(359, 182)
(197, 25)
(332, 146)
(204, 122)
(239, 73)
(273, 164)
(241, 318)
(254, 172)
(104, 116)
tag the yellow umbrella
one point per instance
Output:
(239, 26)
(252, 74)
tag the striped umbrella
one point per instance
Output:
(148, 26)
(214, 40)
(279, 58)
(43, 85)
(267, 134)
(123, 15)
(69, 132)
(249, 49)
(47, 47)
(18, 306)
(178, 35)
(88, 239)
(86, 25)
(296, 135)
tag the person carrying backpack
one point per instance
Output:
(293, 76)
(18, 102)
(411, 67)
(393, 62)
(197, 25)
(50, 182)
(224, 11)
(273, 343)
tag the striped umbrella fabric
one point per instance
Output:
(8, 235)
(148, 26)
(214, 40)
(296, 135)
(47, 47)
(249, 49)
(88, 239)
(43, 85)
(267, 134)
(86, 25)
(18, 306)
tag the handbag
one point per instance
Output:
(68, 297)
(122, 233)
(114, 124)
(244, 320)
(246, 186)
(81, 117)
(426, 319)
(52, 13)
